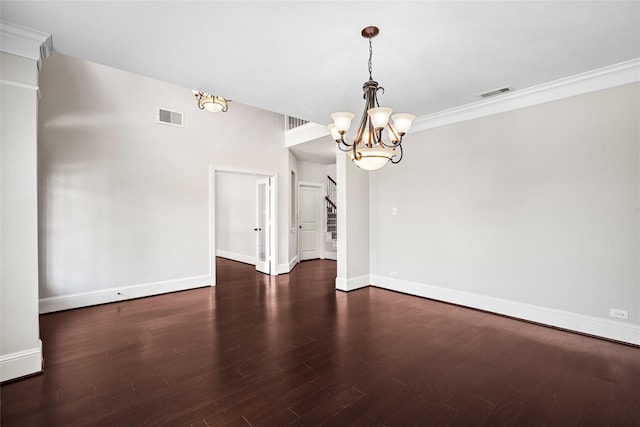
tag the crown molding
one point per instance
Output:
(590, 81)
(25, 42)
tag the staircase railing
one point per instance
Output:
(332, 222)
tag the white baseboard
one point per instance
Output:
(21, 363)
(353, 283)
(247, 259)
(84, 299)
(286, 268)
(615, 330)
(331, 255)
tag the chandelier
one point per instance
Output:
(211, 103)
(369, 150)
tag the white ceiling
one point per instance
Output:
(307, 59)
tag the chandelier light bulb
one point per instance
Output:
(334, 132)
(379, 116)
(342, 120)
(402, 122)
(212, 106)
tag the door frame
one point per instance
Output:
(273, 246)
(263, 266)
(323, 216)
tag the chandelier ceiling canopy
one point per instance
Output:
(369, 150)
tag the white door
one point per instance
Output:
(263, 222)
(310, 215)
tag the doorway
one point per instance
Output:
(242, 213)
(311, 221)
(263, 225)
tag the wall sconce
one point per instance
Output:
(211, 103)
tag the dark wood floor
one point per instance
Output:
(257, 350)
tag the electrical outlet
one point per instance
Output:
(620, 314)
(393, 273)
(394, 211)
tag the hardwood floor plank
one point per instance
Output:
(290, 350)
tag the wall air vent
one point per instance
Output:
(495, 92)
(294, 122)
(168, 117)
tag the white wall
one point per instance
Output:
(532, 213)
(124, 199)
(353, 265)
(20, 346)
(316, 172)
(331, 170)
(236, 216)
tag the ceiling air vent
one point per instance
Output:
(170, 117)
(495, 92)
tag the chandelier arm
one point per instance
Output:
(362, 125)
(378, 136)
(341, 143)
(199, 98)
(399, 146)
(376, 97)
(356, 154)
(371, 89)
(372, 135)
(392, 145)
(395, 134)
(375, 103)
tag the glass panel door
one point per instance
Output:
(262, 225)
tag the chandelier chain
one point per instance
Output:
(370, 54)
